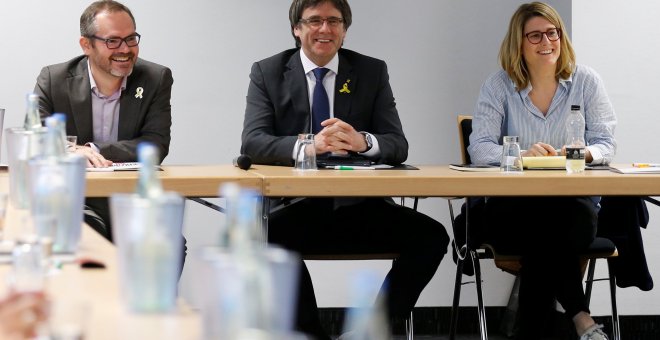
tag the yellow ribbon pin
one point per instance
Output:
(344, 88)
(138, 92)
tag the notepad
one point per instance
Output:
(545, 162)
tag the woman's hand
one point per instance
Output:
(540, 150)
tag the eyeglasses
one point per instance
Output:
(318, 22)
(114, 43)
(552, 34)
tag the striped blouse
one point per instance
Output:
(503, 111)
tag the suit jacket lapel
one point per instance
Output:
(130, 104)
(343, 95)
(80, 97)
(296, 81)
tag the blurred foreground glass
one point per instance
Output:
(511, 159)
(306, 152)
(28, 273)
(147, 233)
(57, 189)
(44, 228)
(22, 145)
(2, 121)
(239, 294)
(3, 212)
(367, 319)
(68, 319)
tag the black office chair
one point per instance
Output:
(469, 251)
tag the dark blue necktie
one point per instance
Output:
(320, 102)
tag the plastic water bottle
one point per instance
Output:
(575, 146)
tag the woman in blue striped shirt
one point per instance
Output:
(531, 98)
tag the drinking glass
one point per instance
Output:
(71, 142)
(28, 270)
(511, 159)
(306, 152)
(147, 233)
(22, 146)
(4, 197)
(69, 319)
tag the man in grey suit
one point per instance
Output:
(362, 119)
(112, 99)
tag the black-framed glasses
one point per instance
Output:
(114, 43)
(317, 22)
(552, 34)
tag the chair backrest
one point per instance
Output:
(464, 131)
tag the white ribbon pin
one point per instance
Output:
(138, 92)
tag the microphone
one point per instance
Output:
(243, 161)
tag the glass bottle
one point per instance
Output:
(32, 116)
(50, 191)
(575, 146)
(53, 145)
(148, 185)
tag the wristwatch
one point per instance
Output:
(367, 139)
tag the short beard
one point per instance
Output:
(117, 74)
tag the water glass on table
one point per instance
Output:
(147, 233)
(28, 271)
(511, 158)
(71, 142)
(305, 153)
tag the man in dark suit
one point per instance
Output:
(362, 119)
(112, 99)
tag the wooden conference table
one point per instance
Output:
(428, 181)
(99, 289)
(188, 180)
(440, 181)
(110, 321)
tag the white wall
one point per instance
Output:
(622, 42)
(438, 53)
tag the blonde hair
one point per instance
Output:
(511, 56)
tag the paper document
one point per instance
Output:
(474, 167)
(119, 166)
(624, 169)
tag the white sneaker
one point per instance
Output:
(594, 333)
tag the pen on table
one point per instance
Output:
(646, 165)
(355, 167)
